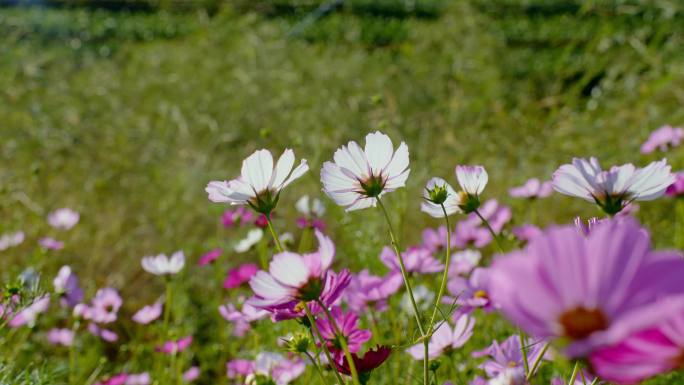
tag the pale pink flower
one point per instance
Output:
(138, 379)
(148, 313)
(64, 337)
(446, 339)
(8, 240)
(367, 290)
(105, 334)
(64, 218)
(191, 374)
(105, 305)
(51, 243)
(242, 318)
(663, 138)
(29, 314)
(532, 189)
(260, 182)
(175, 346)
(416, 260)
(163, 265)
(357, 177)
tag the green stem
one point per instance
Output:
(72, 355)
(537, 361)
(315, 365)
(312, 322)
(407, 283)
(445, 276)
(167, 309)
(278, 245)
(573, 376)
(491, 230)
(523, 350)
(343, 342)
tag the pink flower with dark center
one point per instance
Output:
(663, 138)
(51, 243)
(526, 232)
(592, 291)
(508, 355)
(105, 305)
(435, 240)
(349, 328)
(470, 293)
(416, 260)
(239, 367)
(175, 346)
(468, 234)
(644, 354)
(532, 189)
(64, 337)
(240, 275)
(294, 277)
(209, 257)
(366, 290)
(445, 338)
(496, 214)
(148, 313)
(463, 262)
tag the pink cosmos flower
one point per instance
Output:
(662, 139)
(104, 334)
(468, 234)
(191, 374)
(593, 291)
(262, 221)
(644, 354)
(582, 378)
(435, 240)
(64, 218)
(148, 313)
(118, 379)
(446, 339)
(367, 290)
(470, 293)
(241, 318)
(585, 227)
(29, 314)
(260, 181)
(463, 262)
(8, 240)
(348, 324)
(358, 176)
(174, 347)
(66, 285)
(209, 257)
(676, 189)
(239, 367)
(51, 243)
(416, 260)
(496, 214)
(138, 379)
(294, 277)
(64, 337)
(105, 305)
(240, 216)
(532, 189)
(508, 355)
(240, 275)
(526, 232)
(612, 189)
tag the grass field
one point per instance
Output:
(126, 116)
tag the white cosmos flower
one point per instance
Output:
(11, 239)
(64, 218)
(310, 207)
(253, 237)
(614, 188)
(358, 176)
(472, 179)
(437, 193)
(260, 182)
(161, 264)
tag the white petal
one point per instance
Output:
(267, 287)
(352, 158)
(326, 250)
(289, 269)
(378, 151)
(302, 205)
(296, 173)
(257, 170)
(362, 203)
(399, 163)
(282, 168)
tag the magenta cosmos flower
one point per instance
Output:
(260, 181)
(644, 354)
(364, 365)
(676, 189)
(532, 189)
(416, 260)
(591, 291)
(349, 328)
(358, 176)
(662, 139)
(175, 346)
(63, 218)
(612, 189)
(209, 257)
(240, 275)
(446, 339)
(239, 216)
(293, 278)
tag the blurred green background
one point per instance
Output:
(124, 110)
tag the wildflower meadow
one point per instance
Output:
(342, 193)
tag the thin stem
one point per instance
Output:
(343, 342)
(537, 361)
(595, 381)
(312, 322)
(445, 276)
(167, 309)
(278, 245)
(523, 350)
(491, 230)
(72, 354)
(315, 365)
(407, 283)
(573, 376)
